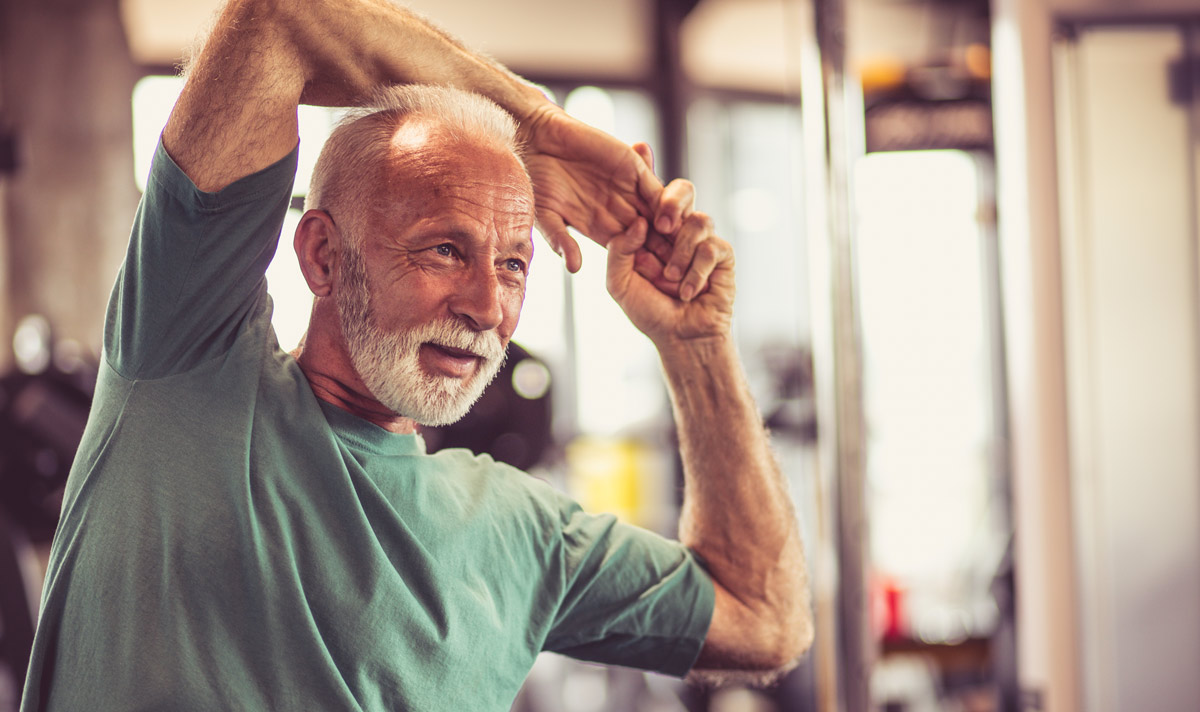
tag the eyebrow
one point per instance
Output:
(524, 247)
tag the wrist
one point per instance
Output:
(703, 351)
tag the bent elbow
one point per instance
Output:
(775, 655)
(789, 644)
(802, 639)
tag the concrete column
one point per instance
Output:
(65, 86)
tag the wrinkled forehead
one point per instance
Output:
(423, 152)
(430, 172)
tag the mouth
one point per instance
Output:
(454, 352)
(451, 361)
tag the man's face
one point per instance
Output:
(430, 302)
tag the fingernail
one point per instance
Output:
(686, 292)
(663, 224)
(672, 272)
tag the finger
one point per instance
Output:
(650, 268)
(644, 152)
(658, 246)
(642, 149)
(696, 228)
(622, 254)
(618, 214)
(709, 254)
(675, 203)
(649, 187)
(554, 229)
(647, 265)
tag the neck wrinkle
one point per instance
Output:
(337, 393)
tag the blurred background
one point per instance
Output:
(968, 302)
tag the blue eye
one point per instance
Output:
(445, 250)
(515, 265)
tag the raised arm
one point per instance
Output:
(737, 514)
(237, 113)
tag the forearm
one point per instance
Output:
(352, 47)
(237, 113)
(737, 513)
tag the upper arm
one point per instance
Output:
(237, 112)
(194, 268)
(629, 597)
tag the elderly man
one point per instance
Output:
(248, 529)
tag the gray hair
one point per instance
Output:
(349, 167)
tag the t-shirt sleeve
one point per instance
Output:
(194, 269)
(631, 597)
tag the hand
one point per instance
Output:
(666, 254)
(668, 311)
(586, 179)
(674, 203)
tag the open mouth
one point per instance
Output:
(453, 352)
(449, 361)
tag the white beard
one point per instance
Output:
(389, 361)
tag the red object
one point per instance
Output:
(889, 608)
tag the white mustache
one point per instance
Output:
(457, 335)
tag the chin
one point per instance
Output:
(406, 389)
(436, 404)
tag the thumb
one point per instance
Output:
(622, 252)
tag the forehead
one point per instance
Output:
(430, 168)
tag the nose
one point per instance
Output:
(478, 300)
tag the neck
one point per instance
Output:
(333, 379)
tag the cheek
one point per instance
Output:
(400, 305)
(512, 312)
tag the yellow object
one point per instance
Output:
(978, 59)
(613, 475)
(881, 73)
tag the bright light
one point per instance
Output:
(288, 290)
(927, 392)
(594, 106)
(620, 383)
(153, 99)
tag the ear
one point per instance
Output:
(315, 240)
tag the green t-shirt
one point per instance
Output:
(230, 542)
